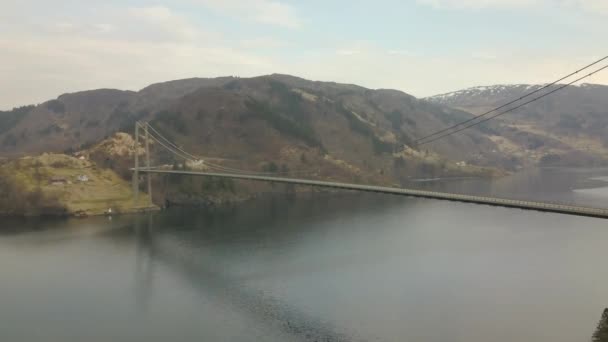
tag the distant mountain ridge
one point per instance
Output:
(572, 122)
(82, 118)
(275, 118)
(367, 131)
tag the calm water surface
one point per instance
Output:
(354, 267)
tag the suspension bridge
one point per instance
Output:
(219, 171)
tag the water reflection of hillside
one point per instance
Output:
(198, 248)
(197, 267)
(584, 187)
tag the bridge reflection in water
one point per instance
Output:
(191, 265)
(304, 270)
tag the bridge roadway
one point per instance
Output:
(510, 203)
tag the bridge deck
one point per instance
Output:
(528, 205)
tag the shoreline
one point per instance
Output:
(81, 214)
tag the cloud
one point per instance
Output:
(117, 48)
(427, 74)
(63, 26)
(404, 53)
(483, 56)
(270, 12)
(356, 47)
(478, 4)
(263, 43)
(165, 19)
(129, 48)
(38, 69)
(103, 28)
(347, 52)
(592, 5)
(66, 27)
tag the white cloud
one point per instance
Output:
(67, 27)
(483, 55)
(347, 52)
(131, 48)
(103, 28)
(263, 11)
(404, 53)
(478, 4)
(63, 26)
(163, 18)
(426, 75)
(39, 69)
(355, 48)
(263, 43)
(592, 5)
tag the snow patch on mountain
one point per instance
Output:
(482, 91)
(494, 90)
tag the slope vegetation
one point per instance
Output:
(56, 184)
(569, 127)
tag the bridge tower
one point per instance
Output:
(148, 175)
(136, 167)
(135, 180)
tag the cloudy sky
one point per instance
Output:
(422, 47)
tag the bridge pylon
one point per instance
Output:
(148, 175)
(135, 179)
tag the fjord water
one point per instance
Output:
(350, 267)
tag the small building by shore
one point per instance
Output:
(56, 180)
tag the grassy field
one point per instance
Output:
(77, 184)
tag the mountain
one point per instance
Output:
(295, 127)
(83, 118)
(568, 127)
(260, 120)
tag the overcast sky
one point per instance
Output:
(423, 47)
